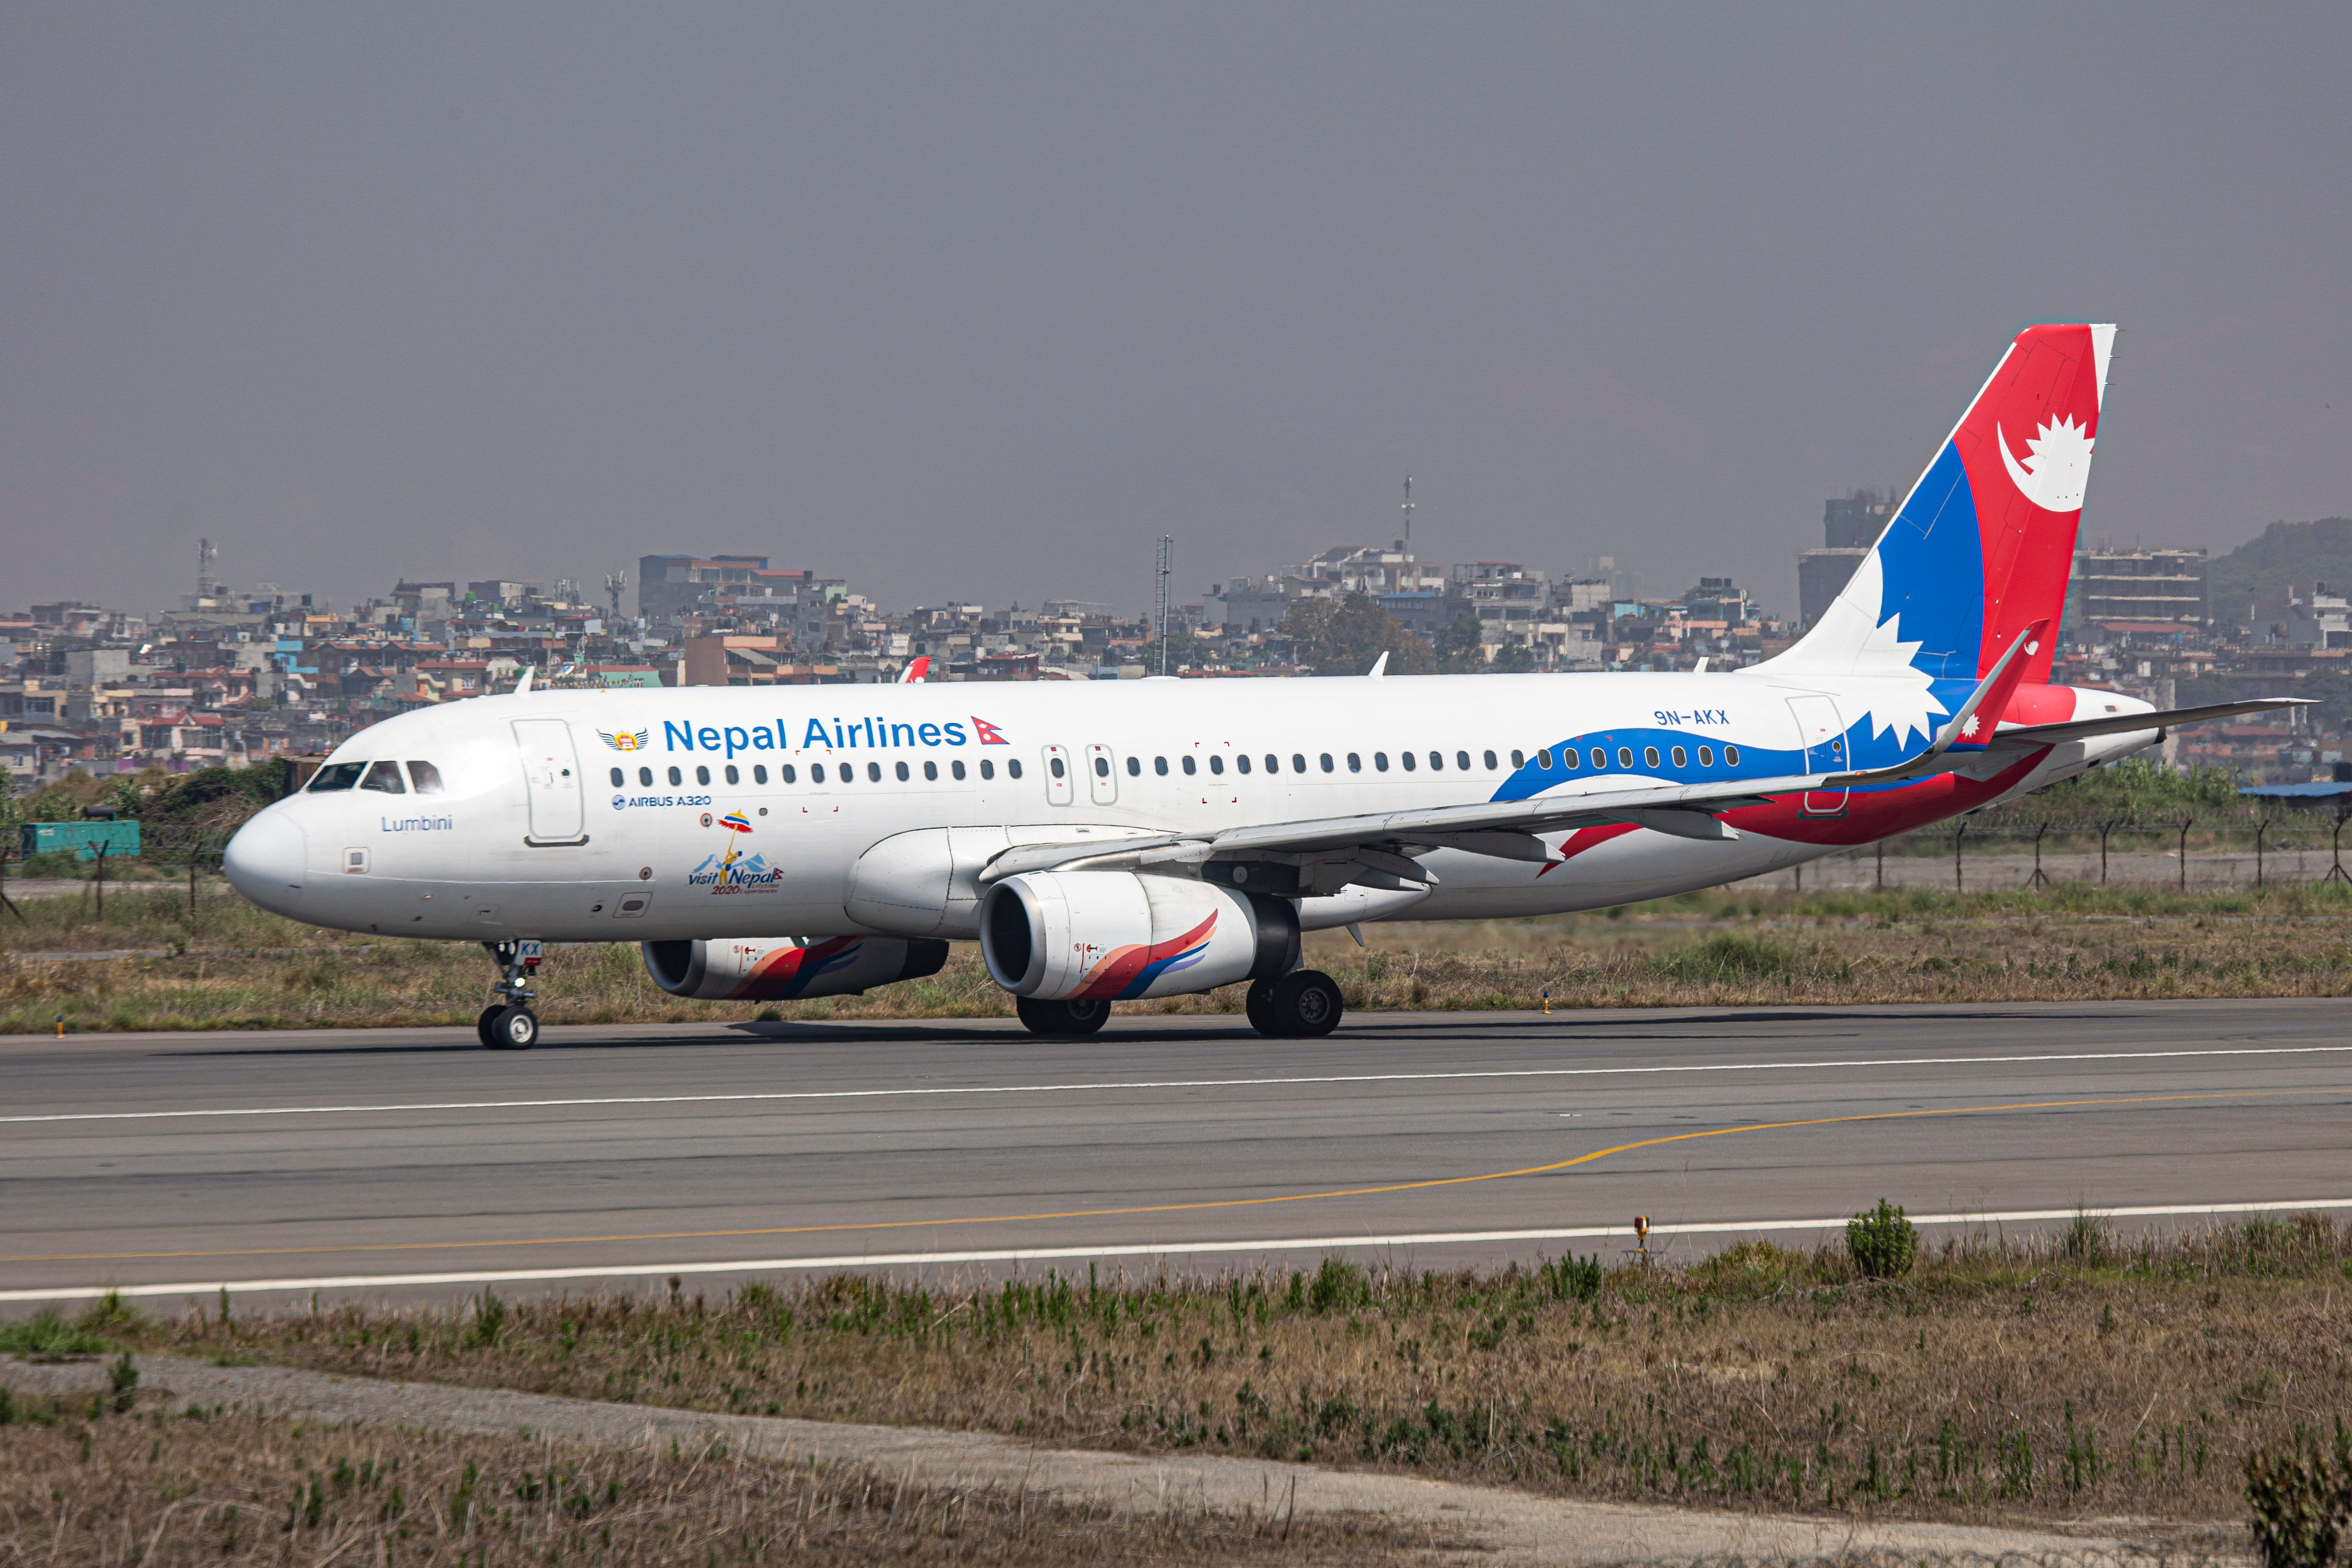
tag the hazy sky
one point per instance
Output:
(976, 301)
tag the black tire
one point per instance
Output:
(514, 1029)
(1061, 1019)
(483, 1023)
(1260, 1008)
(1307, 1003)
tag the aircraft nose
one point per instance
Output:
(265, 861)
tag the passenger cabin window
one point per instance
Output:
(1461, 760)
(1135, 767)
(1599, 758)
(1649, 756)
(1160, 766)
(874, 773)
(335, 776)
(732, 775)
(1682, 758)
(758, 772)
(988, 770)
(1013, 767)
(816, 773)
(1491, 764)
(1354, 763)
(702, 775)
(1568, 758)
(1543, 759)
(645, 777)
(955, 768)
(900, 770)
(1188, 765)
(1056, 764)
(1707, 756)
(619, 778)
(1625, 756)
(1379, 762)
(1327, 761)
(788, 773)
(1298, 763)
(1216, 763)
(1406, 758)
(1731, 756)
(1518, 758)
(384, 777)
(1242, 762)
(676, 778)
(931, 772)
(424, 778)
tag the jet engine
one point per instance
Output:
(1060, 936)
(766, 970)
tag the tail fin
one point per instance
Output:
(1980, 549)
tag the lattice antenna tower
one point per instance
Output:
(207, 568)
(1405, 543)
(1160, 606)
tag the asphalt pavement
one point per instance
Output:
(399, 1163)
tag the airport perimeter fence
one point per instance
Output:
(1977, 857)
(183, 858)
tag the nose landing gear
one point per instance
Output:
(509, 1025)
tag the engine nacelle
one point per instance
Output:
(765, 969)
(1114, 936)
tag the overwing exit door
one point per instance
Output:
(551, 770)
(1059, 784)
(1102, 776)
(1822, 733)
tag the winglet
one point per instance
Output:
(524, 684)
(1379, 666)
(917, 669)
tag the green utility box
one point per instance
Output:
(84, 841)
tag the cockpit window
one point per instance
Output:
(424, 778)
(336, 776)
(385, 776)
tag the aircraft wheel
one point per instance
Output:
(1306, 1005)
(1061, 1019)
(514, 1029)
(1260, 1007)
(482, 1026)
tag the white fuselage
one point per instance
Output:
(605, 816)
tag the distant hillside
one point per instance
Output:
(2259, 571)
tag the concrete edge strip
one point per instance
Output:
(1138, 1249)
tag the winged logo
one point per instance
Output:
(625, 741)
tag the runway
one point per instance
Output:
(392, 1162)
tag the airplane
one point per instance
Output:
(1115, 842)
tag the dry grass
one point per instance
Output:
(232, 966)
(2074, 1377)
(167, 1483)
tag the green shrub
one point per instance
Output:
(1573, 1279)
(47, 1334)
(2302, 1501)
(1882, 1242)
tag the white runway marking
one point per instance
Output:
(1149, 1249)
(817, 1094)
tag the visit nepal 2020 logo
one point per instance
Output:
(736, 868)
(833, 735)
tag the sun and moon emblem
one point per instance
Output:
(2057, 468)
(626, 741)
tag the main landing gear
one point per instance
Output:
(1061, 1018)
(509, 1025)
(1302, 1004)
